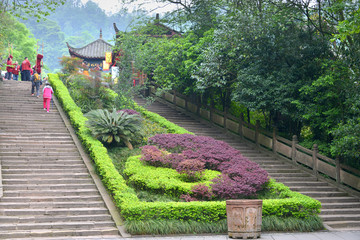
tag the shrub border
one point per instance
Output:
(131, 208)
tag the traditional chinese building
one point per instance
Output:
(93, 53)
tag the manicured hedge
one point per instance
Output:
(159, 179)
(296, 204)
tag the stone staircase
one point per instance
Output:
(340, 210)
(47, 188)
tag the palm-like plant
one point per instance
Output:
(112, 126)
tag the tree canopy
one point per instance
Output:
(294, 62)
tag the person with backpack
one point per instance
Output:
(47, 93)
(35, 79)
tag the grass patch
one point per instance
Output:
(119, 156)
(269, 224)
(291, 224)
(158, 227)
(147, 196)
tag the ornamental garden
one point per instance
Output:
(166, 180)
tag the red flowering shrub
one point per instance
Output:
(198, 193)
(160, 158)
(154, 156)
(192, 168)
(129, 111)
(188, 198)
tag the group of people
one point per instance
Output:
(13, 69)
(30, 74)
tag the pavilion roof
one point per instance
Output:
(94, 50)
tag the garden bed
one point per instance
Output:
(292, 205)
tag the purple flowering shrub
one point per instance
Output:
(211, 151)
(129, 111)
(240, 177)
(193, 169)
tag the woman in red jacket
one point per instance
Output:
(25, 67)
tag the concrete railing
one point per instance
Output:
(289, 149)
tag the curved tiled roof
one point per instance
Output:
(93, 50)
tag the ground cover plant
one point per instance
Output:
(169, 212)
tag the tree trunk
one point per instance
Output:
(128, 144)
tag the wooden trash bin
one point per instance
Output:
(244, 218)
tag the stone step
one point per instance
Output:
(304, 188)
(68, 198)
(58, 225)
(307, 184)
(48, 181)
(46, 129)
(28, 146)
(53, 211)
(340, 211)
(51, 165)
(277, 166)
(7, 171)
(20, 135)
(45, 153)
(291, 174)
(316, 194)
(56, 233)
(58, 176)
(45, 192)
(340, 205)
(342, 199)
(341, 217)
(35, 148)
(344, 225)
(292, 179)
(47, 186)
(50, 205)
(53, 218)
(272, 171)
(33, 159)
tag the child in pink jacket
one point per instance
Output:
(47, 93)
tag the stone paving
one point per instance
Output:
(321, 235)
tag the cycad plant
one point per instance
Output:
(112, 126)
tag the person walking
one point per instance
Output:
(47, 93)
(35, 83)
(26, 67)
(16, 71)
(9, 68)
